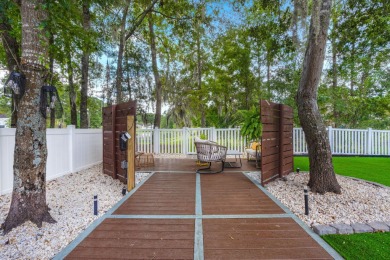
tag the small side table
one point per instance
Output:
(237, 163)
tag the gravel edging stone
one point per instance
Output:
(379, 226)
(343, 228)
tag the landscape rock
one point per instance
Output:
(343, 228)
(379, 226)
(324, 230)
(359, 201)
(361, 228)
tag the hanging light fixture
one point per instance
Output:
(50, 101)
(15, 85)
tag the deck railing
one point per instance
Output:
(342, 141)
(349, 141)
(181, 141)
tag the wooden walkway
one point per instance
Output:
(193, 216)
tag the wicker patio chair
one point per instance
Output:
(209, 152)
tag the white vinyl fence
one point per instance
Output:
(181, 141)
(69, 150)
(342, 141)
(349, 141)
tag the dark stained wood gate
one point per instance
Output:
(118, 119)
(276, 141)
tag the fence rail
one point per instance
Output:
(69, 150)
(181, 141)
(349, 141)
(342, 141)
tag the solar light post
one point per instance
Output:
(306, 195)
(95, 205)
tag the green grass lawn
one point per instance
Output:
(358, 246)
(376, 169)
(361, 246)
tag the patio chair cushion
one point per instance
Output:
(198, 140)
(210, 152)
(254, 145)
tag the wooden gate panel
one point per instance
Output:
(276, 146)
(114, 123)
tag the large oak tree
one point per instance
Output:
(322, 176)
(29, 188)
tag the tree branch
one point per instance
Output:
(171, 17)
(139, 19)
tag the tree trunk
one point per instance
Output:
(51, 74)
(352, 70)
(199, 78)
(72, 93)
(119, 67)
(108, 89)
(29, 188)
(157, 118)
(334, 83)
(85, 70)
(268, 78)
(322, 176)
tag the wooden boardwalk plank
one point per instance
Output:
(162, 194)
(139, 239)
(233, 193)
(126, 253)
(258, 239)
(278, 253)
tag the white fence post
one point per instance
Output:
(71, 146)
(156, 140)
(330, 134)
(369, 141)
(213, 134)
(185, 140)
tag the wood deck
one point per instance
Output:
(195, 216)
(184, 165)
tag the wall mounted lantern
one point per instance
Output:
(50, 102)
(15, 85)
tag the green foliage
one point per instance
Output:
(361, 246)
(241, 53)
(5, 106)
(203, 136)
(374, 169)
(251, 128)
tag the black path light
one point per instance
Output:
(50, 101)
(15, 85)
(306, 196)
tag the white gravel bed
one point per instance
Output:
(71, 201)
(359, 201)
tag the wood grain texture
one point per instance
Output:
(276, 149)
